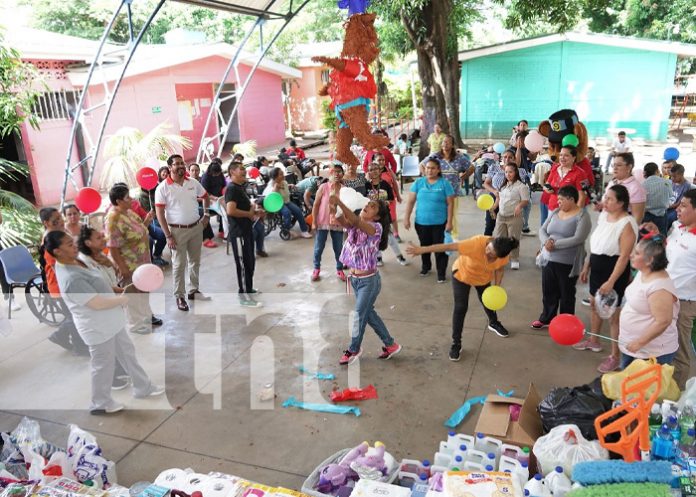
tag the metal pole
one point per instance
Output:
(78, 115)
(130, 21)
(240, 94)
(211, 112)
(109, 106)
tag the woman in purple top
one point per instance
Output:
(367, 234)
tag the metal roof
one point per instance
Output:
(46, 45)
(250, 7)
(685, 49)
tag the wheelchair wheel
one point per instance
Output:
(41, 304)
(285, 234)
(269, 224)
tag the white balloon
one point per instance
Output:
(352, 199)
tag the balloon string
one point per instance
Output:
(620, 342)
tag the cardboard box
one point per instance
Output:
(494, 419)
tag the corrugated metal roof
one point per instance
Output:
(685, 49)
(46, 45)
(251, 7)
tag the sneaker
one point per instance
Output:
(15, 305)
(305, 234)
(587, 345)
(498, 328)
(528, 232)
(609, 364)
(349, 357)
(158, 261)
(315, 275)
(586, 301)
(60, 341)
(388, 352)
(538, 325)
(424, 272)
(515, 265)
(221, 235)
(341, 275)
(380, 263)
(155, 391)
(402, 260)
(210, 243)
(249, 302)
(115, 407)
(455, 352)
(443, 280)
(120, 382)
(261, 253)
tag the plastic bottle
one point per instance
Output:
(558, 483)
(523, 473)
(457, 462)
(491, 460)
(536, 487)
(688, 444)
(488, 444)
(462, 451)
(673, 425)
(511, 451)
(442, 459)
(508, 464)
(472, 466)
(663, 444)
(525, 456)
(687, 419)
(425, 467)
(476, 456)
(489, 468)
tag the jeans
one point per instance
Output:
(670, 217)
(320, 243)
(461, 306)
(432, 235)
(244, 259)
(288, 211)
(558, 290)
(366, 292)
(157, 239)
(660, 221)
(525, 215)
(626, 359)
(259, 234)
(543, 212)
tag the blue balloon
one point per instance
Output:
(499, 148)
(671, 153)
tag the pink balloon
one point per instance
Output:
(534, 141)
(148, 278)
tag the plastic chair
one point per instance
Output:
(19, 269)
(409, 168)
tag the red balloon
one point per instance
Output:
(566, 329)
(253, 172)
(147, 178)
(88, 200)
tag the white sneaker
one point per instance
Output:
(403, 261)
(15, 305)
(155, 391)
(514, 265)
(115, 407)
(306, 234)
(249, 303)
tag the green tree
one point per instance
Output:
(19, 88)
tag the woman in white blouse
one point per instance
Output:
(510, 201)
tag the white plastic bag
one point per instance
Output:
(86, 460)
(688, 396)
(565, 446)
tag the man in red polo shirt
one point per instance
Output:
(176, 204)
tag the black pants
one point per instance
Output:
(558, 290)
(432, 234)
(461, 306)
(490, 224)
(67, 334)
(244, 259)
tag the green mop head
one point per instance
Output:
(623, 490)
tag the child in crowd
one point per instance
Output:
(366, 235)
(510, 202)
(480, 263)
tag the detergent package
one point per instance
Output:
(481, 484)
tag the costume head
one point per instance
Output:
(561, 124)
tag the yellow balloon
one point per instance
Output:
(494, 297)
(485, 202)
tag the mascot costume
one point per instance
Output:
(351, 85)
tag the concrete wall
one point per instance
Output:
(305, 102)
(609, 87)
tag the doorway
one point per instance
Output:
(227, 103)
(12, 149)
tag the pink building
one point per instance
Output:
(173, 84)
(305, 103)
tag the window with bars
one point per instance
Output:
(325, 76)
(56, 105)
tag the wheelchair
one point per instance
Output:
(275, 220)
(47, 309)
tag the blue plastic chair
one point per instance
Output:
(19, 269)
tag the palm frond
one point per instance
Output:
(247, 149)
(160, 144)
(119, 169)
(11, 171)
(12, 201)
(20, 228)
(123, 142)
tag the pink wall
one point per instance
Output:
(305, 102)
(147, 100)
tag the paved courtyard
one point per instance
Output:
(217, 360)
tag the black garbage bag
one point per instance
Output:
(577, 405)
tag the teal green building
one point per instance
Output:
(612, 82)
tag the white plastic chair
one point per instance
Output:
(409, 168)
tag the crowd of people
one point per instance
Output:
(639, 258)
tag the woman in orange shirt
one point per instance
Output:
(480, 263)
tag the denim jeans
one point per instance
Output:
(670, 217)
(320, 243)
(288, 211)
(660, 221)
(663, 359)
(157, 239)
(543, 212)
(366, 293)
(259, 235)
(525, 215)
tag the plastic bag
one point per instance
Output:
(611, 382)
(606, 304)
(542, 258)
(449, 239)
(565, 446)
(578, 405)
(688, 397)
(86, 460)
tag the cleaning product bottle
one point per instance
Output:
(523, 473)
(425, 467)
(488, 444)
(442, 459)
(688, 442)
(511, 451)
(472, 466)
(457, 462)
(525, 455)
(663, 444)
(558, 482)
(508, 464)
(655, 419)
(673, 425)
(476, 456)
(536, 487)
(687, 419)
(462, 451)
(491, 460)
